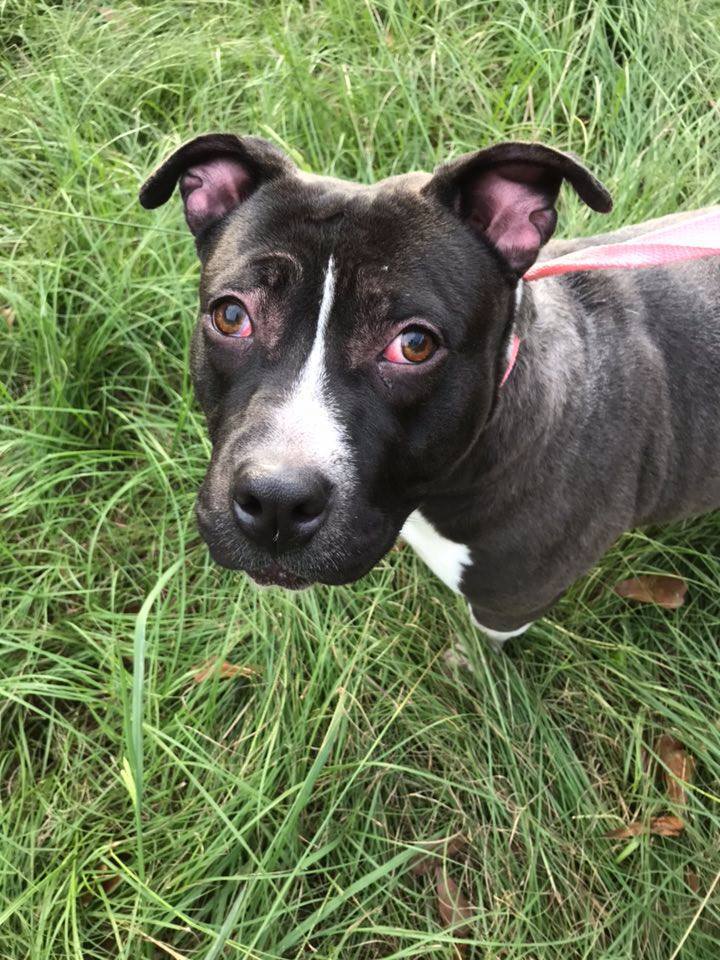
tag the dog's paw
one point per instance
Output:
(455, 656)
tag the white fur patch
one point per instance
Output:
(518, 300)
(499, 636)
(446, 559)
(306, 426)
(518, 295)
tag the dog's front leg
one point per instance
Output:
(496, 638)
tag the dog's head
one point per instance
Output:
(350, 340)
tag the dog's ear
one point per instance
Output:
(507, 193)
(216, 172)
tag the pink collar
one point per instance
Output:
(690, 239)
(514, 347)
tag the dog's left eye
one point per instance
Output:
(413, 345)
(230, 318)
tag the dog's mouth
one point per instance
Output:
(344, 551)
(273, 575)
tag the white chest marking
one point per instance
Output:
(307, 426)
(446, 559)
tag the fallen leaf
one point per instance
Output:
(107, 880)
(678, 770)
(633, 829)
(424, 862)
(692, 880)
(666, 825)
(453, 907)
(226, 671)
(110, 883)
(9, 314)
(680, 767)
(664, 591)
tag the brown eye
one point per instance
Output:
(413, 345)
(231, 319)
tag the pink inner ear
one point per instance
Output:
(211, 189)
(513, 206)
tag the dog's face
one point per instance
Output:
(350, 339)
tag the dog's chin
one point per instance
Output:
(299, 570)
(276, 576)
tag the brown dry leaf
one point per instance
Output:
(108, 881)
(633, 829)
(424, 862)
(692, 880)
(666, 825)
(225, 671)
(680, 767)
(9, 314)
(453, 907)
(665, 591)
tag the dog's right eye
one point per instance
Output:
(231, 319)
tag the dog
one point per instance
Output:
(349, 354)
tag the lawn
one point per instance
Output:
(275, 811)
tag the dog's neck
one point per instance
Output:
(532, 397)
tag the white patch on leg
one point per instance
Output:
(498, 636)
(446, 559)
(306, 427)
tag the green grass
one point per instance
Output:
(276, 815)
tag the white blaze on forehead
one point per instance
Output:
(314, 370)
(306, 426)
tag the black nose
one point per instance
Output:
(281, 509)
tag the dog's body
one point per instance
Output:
(349, 356)
(610, 420)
